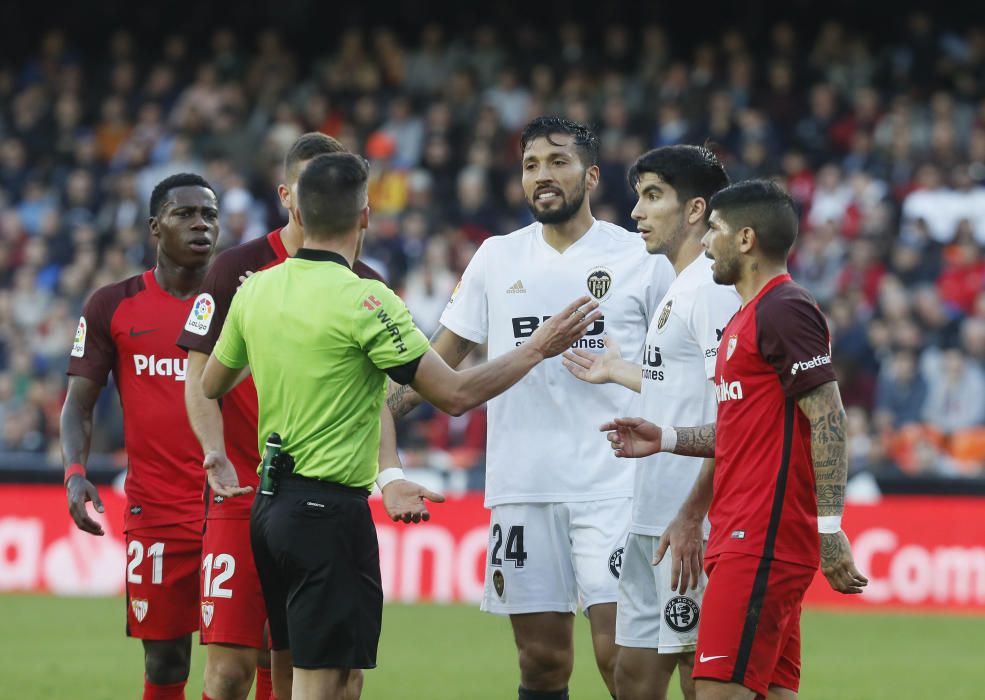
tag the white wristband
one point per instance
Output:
(388, 475)
(828, 524)
(668, 439)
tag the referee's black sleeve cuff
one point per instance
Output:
(404, 374)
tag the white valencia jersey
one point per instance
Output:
(544, 444)
(678, 366)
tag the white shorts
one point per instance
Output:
(553, 557)
(650, 615)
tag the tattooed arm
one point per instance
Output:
(822, 406)
(452, 348)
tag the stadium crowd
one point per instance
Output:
(881, 143)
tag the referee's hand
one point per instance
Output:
(404, 501)
(556, 334)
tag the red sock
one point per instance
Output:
(175, 691)
(265, 687)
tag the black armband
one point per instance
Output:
(404, 374)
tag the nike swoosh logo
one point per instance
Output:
(135, 334)
(704, 658)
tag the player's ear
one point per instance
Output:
(696, 209)
(284, 192)
(746, 239)
(155, 228)
(364, 218)
(591, 177)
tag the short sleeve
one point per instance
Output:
(713, 308)
(467, 312)
(230, 350)
(93, 353)
(659, 275)
(384, 328)
(792, 336)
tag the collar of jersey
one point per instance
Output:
(548, 246)
(320, 256)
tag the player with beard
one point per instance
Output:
(776, 488)
(560, 504)
(128, 328)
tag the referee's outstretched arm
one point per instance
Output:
(455, 392)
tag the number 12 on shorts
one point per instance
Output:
(514, 546)
(225, 565)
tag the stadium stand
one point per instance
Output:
(882, 145)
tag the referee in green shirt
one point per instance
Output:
(320, 343)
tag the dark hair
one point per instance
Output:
(161, 190)
(693, 171)
(331, 193)
(585, 140)
(308, 146)
(766, 208)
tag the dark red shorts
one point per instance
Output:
(162, 580)
(749, 631)
(232, 602)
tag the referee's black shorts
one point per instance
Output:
(318, 560)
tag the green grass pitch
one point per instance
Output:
(74, 648)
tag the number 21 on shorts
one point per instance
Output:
(135, 552)
(514, 546)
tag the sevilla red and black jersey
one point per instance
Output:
(128, 328)
(201, 331)
(776, 348)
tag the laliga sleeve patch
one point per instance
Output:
(79, 346)
(200, 318)
(454, 292)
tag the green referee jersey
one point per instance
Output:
(318, 340)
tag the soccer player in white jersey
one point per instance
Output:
(560, 504)
(657, 620)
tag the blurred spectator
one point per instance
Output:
(901, 393)
(954, 398)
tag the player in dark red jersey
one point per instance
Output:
(233, 612)
(780, 466)
(128, 328)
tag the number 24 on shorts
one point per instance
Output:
(514, 546)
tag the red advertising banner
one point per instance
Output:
(918, 552)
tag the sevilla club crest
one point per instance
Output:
(139, 607)
(207, 609)
(733, 340)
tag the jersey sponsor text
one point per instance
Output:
(161, 366)
(728, 391)
(816, 361)
(525, 326)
